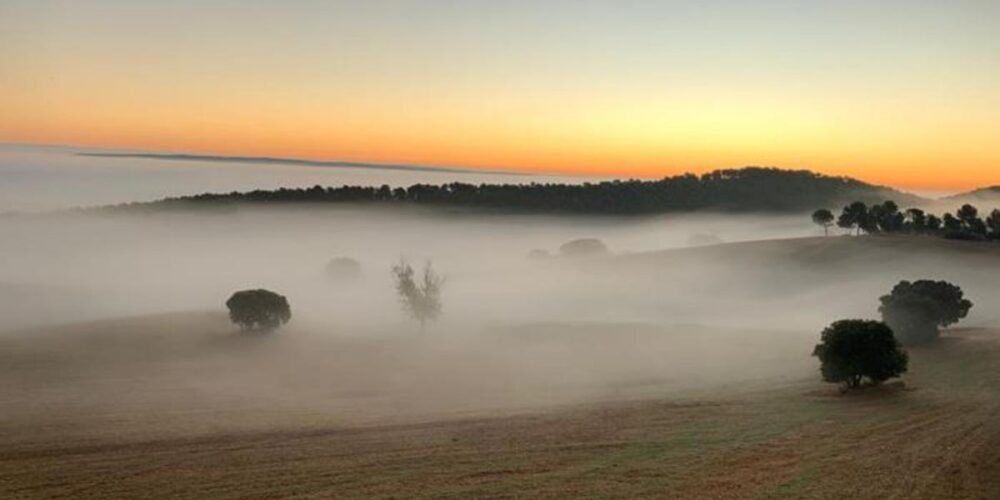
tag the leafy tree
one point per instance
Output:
(258, 310)
(951, 224)
(853, 350)
(993, 224)
(933, 223)
(916, 220)
(916, 310)
(823, 218)
(854, 216)
(421, 298)
(967, 214)
(887, 217)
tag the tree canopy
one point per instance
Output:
(258, 309)
(886, 217)
(916, 310)
(853, 350)
(823, 218)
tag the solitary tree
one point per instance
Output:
(853, 350)
(258, 310)
(916, 310)
(421, 298)
(824, 218)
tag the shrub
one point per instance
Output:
(258, 310)
(853, 350)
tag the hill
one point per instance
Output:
(754, 189)
(989, 196)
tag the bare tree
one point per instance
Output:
(420, 297)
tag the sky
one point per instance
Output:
(898, 92)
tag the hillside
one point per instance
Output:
(988, 196)
(753, 189)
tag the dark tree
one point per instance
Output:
(853, 350)
(916, 220)
(420, 297)
(993, 224)
(258, 310)
(967, 214)
(823, 218)
(886, 217)
(916, 310)
(951, 224)
(933, 223)
(854, 216)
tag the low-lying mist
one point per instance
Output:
(120, 318)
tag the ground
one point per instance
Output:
(937, 435)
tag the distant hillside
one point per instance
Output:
(747, 189)
(989, 194)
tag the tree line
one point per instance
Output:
(886, 217)
(751, 188)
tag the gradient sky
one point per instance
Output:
(901, 92)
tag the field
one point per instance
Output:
(647, 402)
(92, 428)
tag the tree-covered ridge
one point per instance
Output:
(751, 188)
(965, 224)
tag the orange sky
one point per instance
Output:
(901, 97)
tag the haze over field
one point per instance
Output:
(518, 249)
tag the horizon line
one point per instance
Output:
(277, 160)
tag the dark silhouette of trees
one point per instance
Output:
(420, 297)
(916, 310)
(952, 225)
(993, 224)
(823, 218)
(854, 216)
(258, 310)
(853, 350)
(886, 217)
(933, 223)
(746, 189)
(916, 221)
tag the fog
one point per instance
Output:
(42, 178)
(120, 317)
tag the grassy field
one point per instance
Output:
(771, 437)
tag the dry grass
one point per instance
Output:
(938, 438)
